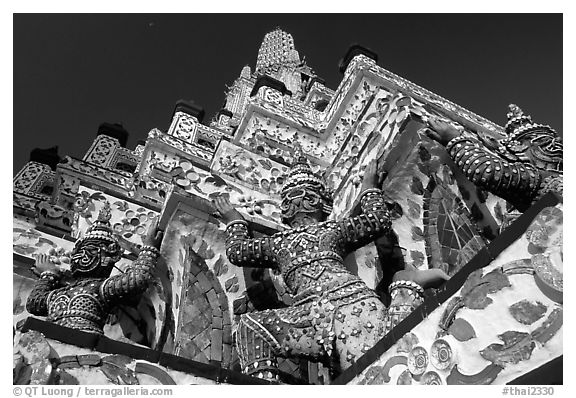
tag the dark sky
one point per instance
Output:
(73, 72)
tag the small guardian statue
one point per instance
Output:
(85, 302)
(335, 318)
(519, 168)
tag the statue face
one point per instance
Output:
(302, 202)
(540, 148)
(94, 259)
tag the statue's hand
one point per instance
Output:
(441, 131)
(226, 210)
(43, 264)
(426, 278)
(154, 236)
(371, 178)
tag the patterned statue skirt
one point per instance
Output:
(334, 326)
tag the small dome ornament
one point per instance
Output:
(417, 360)
(441, 354)
(431, 378)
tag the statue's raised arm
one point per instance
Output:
(374, 221)
(241, 249)
(136, 278)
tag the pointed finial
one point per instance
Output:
(100, 229)
(299, 157)
(515, 111)
(516, 119)
(105, 213)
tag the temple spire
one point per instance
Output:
(277, 49)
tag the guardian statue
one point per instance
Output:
(85, 302)
(335, 318)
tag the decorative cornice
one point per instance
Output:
(103, 344)
(363, 63)
(194, 150)
(89, 172)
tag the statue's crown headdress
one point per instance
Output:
(301, 176)
(100, 230)
(520, 123)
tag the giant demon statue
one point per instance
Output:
(520, 168)
(86, 302)
(335, 317)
